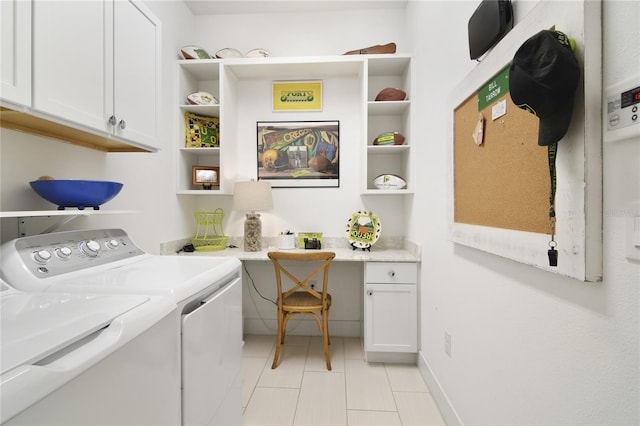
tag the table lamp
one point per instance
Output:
(249, 197)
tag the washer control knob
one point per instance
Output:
(63, 252)
(112, 244)
(90, 248)
(42, 256)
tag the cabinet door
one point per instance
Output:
(15, 19)
(211, 359)
(390, 318)
(72, 45)
(136, 72)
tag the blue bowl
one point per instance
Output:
(76, 193)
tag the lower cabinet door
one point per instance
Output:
(212, 360)
(390, 312)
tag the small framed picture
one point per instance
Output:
(205, 176)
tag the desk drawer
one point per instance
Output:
(391, 272)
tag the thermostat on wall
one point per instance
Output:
(622, 111)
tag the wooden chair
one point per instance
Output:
(301, 298)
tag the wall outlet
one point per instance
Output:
(447, 343)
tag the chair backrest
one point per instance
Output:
(325, 257)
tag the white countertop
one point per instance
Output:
(342, 254)
(388, 250)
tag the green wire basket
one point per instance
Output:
(209, 235)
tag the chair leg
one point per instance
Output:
(325, 334)
(327, 326)
(286, 316)
(279, 339)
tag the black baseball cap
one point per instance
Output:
(543, 78)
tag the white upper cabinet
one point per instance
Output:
(72, 53)
(136, 72)
(15, 20)
(96, 65)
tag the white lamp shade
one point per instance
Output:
(252, 196)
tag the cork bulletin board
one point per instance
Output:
(499, 190)
(503, 182)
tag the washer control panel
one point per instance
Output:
(622, 111)
(48, 255)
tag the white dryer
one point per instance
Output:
(71, 359)
(207, 291)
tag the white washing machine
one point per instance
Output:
(71, 359)
(207, 291)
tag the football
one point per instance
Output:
(201, 98)
(389, 182)
(391, 94)
(389, 138)
(194, 52)
(228, 52)
(258, 53)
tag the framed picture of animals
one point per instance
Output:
(294, 154)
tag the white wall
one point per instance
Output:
(528, 347)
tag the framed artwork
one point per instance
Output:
(297, 95)
(205, 176)
(299, 153)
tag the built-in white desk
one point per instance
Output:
(342, 254)
(385, 313)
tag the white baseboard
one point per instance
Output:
(391, 357)
(440, 397)
(301, 327)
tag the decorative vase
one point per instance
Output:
(252, 232)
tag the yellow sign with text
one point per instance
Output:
(297, 96)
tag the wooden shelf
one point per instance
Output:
(39, 124)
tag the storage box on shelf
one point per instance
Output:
(197, 76)
(388, 116)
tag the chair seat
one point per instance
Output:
(302, 299)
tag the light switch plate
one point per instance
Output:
(621, 110)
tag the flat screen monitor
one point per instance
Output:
(488, 24)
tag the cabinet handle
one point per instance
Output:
(369, 293)
(122, 124)
(113, 120)
(392, 274)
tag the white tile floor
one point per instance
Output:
(302, 392)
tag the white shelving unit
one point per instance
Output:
(225, 78)
(388, 116)
(198, 76)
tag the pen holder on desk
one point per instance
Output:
(286, 242)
